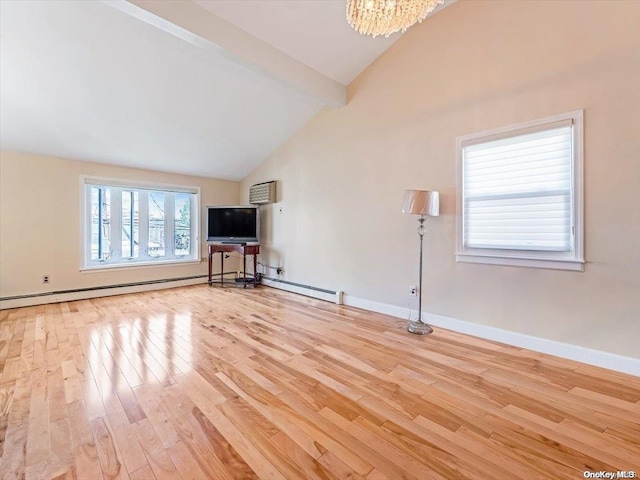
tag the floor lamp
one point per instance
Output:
(423, 203)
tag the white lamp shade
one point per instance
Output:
(421, 202)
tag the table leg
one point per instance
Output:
(255, 270)
(244, 268)
(222, 269)
(210, 280)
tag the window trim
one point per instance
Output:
(87, 265)
(574, 260)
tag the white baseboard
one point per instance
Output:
(378, 307)
(95, 293)
(589, 356)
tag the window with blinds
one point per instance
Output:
(518, 195)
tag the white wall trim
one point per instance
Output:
(571, 265)
(589, 356)
(98, 292)
(387, 309)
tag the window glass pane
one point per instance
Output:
(100, 223)
(130, 224)
(182, 225)
(95, 222)
(156, 244)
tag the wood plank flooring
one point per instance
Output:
(210, 383)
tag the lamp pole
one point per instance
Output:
(418, 327)
(421, 234)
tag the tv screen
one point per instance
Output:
(232, 224)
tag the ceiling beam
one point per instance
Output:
(198, 26)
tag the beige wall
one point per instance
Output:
(40, 223)
(474, 66)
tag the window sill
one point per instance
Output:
(134, 265)
(553, 264)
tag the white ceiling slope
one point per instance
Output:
(208, 88)
(314, 32)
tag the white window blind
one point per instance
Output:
(517, 191)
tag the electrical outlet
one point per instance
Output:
(413, 290)
(45, 279)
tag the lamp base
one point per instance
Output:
(419, 328)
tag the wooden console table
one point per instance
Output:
(244, 250)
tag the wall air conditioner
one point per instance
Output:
(262, 193)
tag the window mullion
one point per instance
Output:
(515, 195)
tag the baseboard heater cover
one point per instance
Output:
(102, 287)
(30, 299)
(335, 296)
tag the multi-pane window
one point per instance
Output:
(126, 224)
(520, 195)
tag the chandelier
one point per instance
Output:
(384, 17)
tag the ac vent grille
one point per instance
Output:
(262, 193)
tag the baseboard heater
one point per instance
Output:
(108, 287)
(303, 289)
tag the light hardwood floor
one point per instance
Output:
(211, 383)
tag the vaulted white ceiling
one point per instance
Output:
(205, 88)
(315, 32)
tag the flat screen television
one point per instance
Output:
(237, 224)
